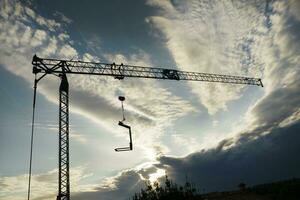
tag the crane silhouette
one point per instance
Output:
(61, 68)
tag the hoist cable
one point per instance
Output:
(31, 140)
(123, 111)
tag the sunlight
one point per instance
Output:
(159, 173)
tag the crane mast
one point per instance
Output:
(63, 172)
(61, 68)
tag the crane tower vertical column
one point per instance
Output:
(63, 179)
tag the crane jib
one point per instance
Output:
(120, 71)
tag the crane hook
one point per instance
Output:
(121, 98)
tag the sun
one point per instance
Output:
(154, 176)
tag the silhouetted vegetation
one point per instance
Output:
(242, 186)
(167, 191)
(283, 190)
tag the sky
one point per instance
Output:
(216, 135)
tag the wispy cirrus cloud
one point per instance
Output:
(213, 37)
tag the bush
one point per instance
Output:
(169, 191)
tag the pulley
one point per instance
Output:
(121, 98)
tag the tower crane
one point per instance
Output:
(61, 68)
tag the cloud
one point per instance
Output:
(121, 186)
(128, 182)
(63, 17)
(281, 75)
(15, 187)
(294, 7)
(270, 111)
(68, 52)
(203, 36)
(63, 36)
(38, 38)
(30, 12)
(186, 142)
(52, 47)
(253, 161)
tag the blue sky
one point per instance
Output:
(179, 128)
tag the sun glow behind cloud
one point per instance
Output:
(158, 174)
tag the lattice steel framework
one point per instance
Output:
(120, 71)
(64, 177)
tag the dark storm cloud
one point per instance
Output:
(253, 161)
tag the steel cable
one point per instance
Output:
(31, 139)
